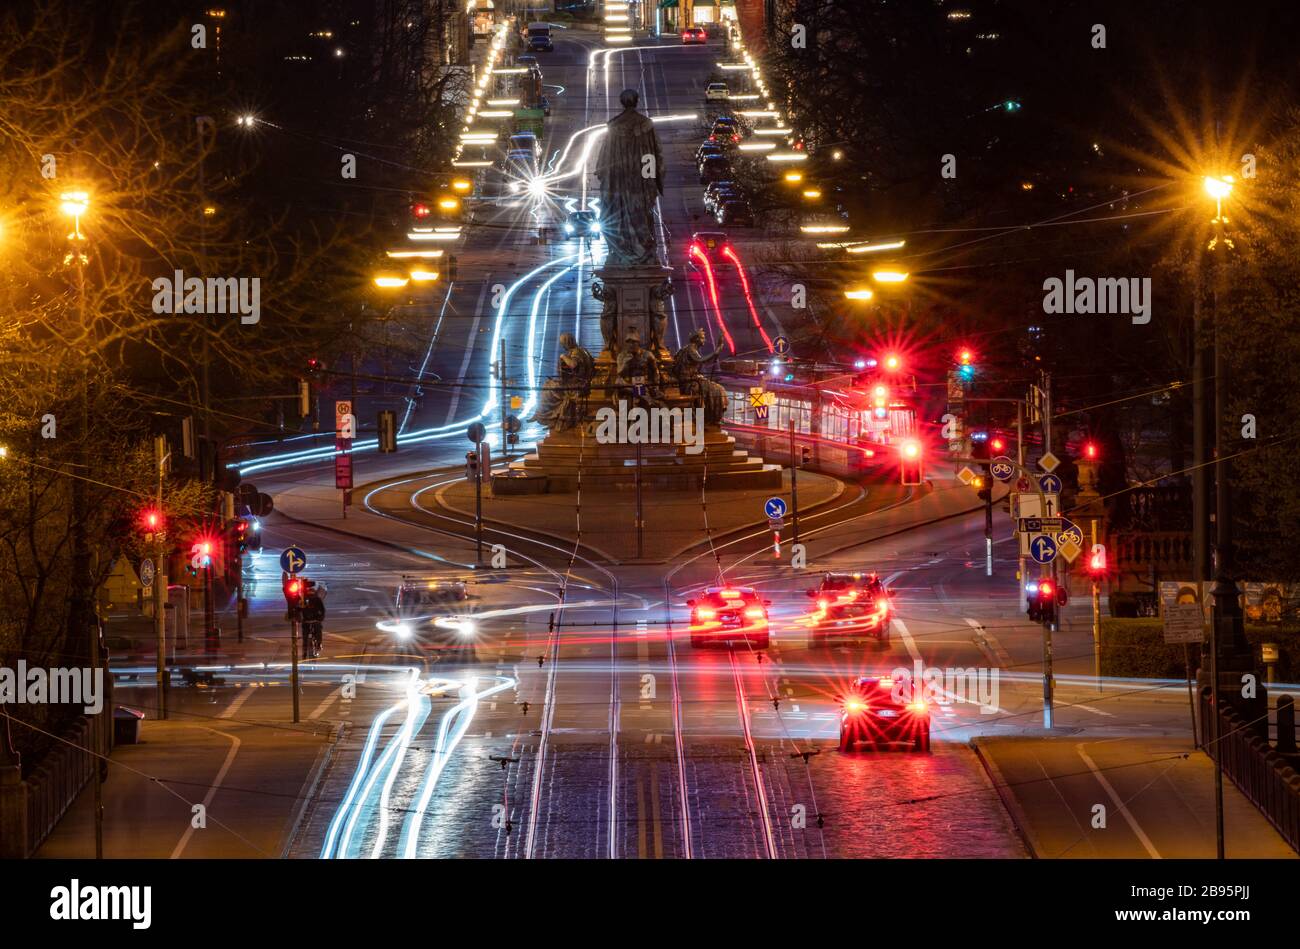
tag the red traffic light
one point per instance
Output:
(152, 520)
(1045, 589)
(965, 356)
(1090, 451)
(892, 362)
(293, 587)
(1097, 559)
(997, 444)
(911, 449)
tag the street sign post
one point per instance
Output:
(1184, 623)
(966, 475)
(774, 507)
(760, 413)
(1002, 468)
(292, 560)
(1048, 462)
(1050, 483)
(1040, 525)
(146, 572)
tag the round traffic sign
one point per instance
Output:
(1050, 483)
(476, 432)
(774, 507)
(782, 345)
(146, 572)
(1043, 549)
(292, 560)
(1002, 468)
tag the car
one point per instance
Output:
(414, 593)
(528, 62)
(582, 223)
(710, 244)
(707, 150)
(726, 131)
(716, 92)
(528, 141)
(694, 34)
(716, 189)
(539, 37)
(850, 607)
(714, 168)
(726, 614)
(734, 212)
(879, 710)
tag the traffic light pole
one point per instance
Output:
(295, 627)
(988, 521)
(160, 583)
(478, 503)
(1096, 616)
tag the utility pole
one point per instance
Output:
(478, 503)
(1020, 463)
(1048, 686)
(1096, 615)
(160, 580)
(640, 518)
(794, 486)
(501, 369)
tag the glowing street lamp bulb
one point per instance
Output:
(889, 276)
(1218, 188)
(74, 203)
(389, 281)
(537, 187)
(858, 294)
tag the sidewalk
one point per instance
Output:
(1157, 795)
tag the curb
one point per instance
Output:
(1000, 785)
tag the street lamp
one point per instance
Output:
(889, 275)
(859, 293)
(74, 204)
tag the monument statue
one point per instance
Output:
(630, 167)
(636, 375)
(608, 315)
(659, 295)
(690, 381)
(560, 405)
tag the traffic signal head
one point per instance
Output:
(892, 362)
(997, 444)
(1090, 451)
(805, 454)
(1097, 560)
(152, 520)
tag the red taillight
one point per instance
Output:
(420, 210)
(822, 604)
(918, 706)
(853, 706)
(882, 605)
(704, 613)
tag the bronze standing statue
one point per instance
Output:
(636, 375)
(630, 168)
(707, 393)
(560, 405)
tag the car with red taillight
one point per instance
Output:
(728, 615)
(694, 34)
(850, 606)
(879, 710)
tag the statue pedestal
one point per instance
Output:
(629, 307)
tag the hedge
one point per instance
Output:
(1135, 648)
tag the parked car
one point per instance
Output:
(717, 191)
(707, 150)
(735, 212)
(714, 168)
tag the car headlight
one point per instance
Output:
(568, 228)
(595, 228)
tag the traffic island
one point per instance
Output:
(674, 520)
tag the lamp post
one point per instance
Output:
(75, 204)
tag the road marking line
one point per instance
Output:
(216, 783)
(1003, 657)
(1095, 711)
(1132, 821)
(908, 641)
(329, 700)
(239, 700)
